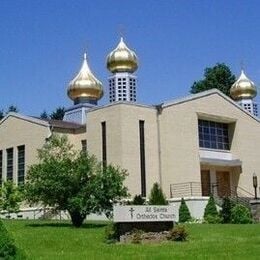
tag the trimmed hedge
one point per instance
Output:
(184, 213)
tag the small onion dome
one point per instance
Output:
(85, 85)
(122, 59)
(243, 88)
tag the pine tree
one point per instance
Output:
(184, 213)
(156, 196)
(226, 210)
(211, 209)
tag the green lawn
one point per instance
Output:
(55, 240)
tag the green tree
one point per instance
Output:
(71, 180)
(226, 210)
(12, 108)
(156, 196)
(2, 114)
(138, 200)
(58, 114)
(184, 213)
(44, 115)
(218, 76)
(211, 209)
(241, 215)
(10, 197)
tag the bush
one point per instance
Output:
(184, 213)
(211, 209)
(226, 210)
(137, 236)
(111, 233)
(138, 200)
(156, 196)
(212, 219)
(7, 246)
(240, 215)
(178, 233)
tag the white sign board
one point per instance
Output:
(147, 213)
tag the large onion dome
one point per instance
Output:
(122, 59)
(243, 88)
(85, 87)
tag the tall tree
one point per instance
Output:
(44, 115)
(2, 114)
(10, 197)
(58, 113)
(12, 108)
(218, 76)
(67, 179)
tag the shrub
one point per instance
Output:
(184, 213)
(212, 219)
(111, 233)
(7, 246)
(156, 196)
(178, 233)
(240, 215)
(211, 209)
(138, 200)
(137, 236)
(226, 210)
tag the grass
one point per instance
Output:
(59, 240)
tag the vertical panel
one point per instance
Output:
(142, 158)
(205, 182)
(21, 164)
(104, 144)
(9, 163)
(1, 167)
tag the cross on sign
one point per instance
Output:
(131, 211)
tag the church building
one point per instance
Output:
(193, 146)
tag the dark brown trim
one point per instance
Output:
(104, 144)
(142, 158)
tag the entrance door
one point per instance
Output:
(205, 182)
(223, 183)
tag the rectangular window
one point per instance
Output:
(142, 158)
(104, 144)
(1, 167)
(84, 145)
(213, 135)
(21, 164)
(9, 163)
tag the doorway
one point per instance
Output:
(223, 183)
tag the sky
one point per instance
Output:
(42, 45)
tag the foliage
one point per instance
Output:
(225, 213)
(209, 219)
(44, 115)
(218, 76)
(156, 196)
(184, 213)
(58, 114)
(178, 233)
(10, 197)
(7, 246)
(11, 108)
(138, 200)
(71, 180)
(111, 233)
(136, 236)
(211, 209)
(240, 215)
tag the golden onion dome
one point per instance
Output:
(85, 86)
(243, 88)
(122, 59)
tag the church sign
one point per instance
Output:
(146, 213)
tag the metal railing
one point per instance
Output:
(193, 189)
(185, 189)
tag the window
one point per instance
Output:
(84, 145)
(104, 144)
(1, 167)
(9, 163)
(213, 135)
(142, 158)
(21, 164)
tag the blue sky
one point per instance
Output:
(42, 45)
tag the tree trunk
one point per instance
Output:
(77, 218)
